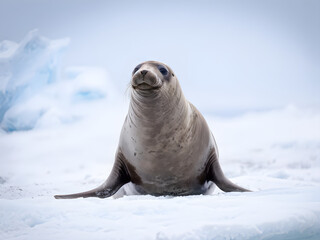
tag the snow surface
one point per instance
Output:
(74, 125)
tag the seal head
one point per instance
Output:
(148, 77)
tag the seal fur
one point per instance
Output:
(166, 146)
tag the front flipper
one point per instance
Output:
(117, 178)
(215, 174)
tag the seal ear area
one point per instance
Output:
(215, 174)
(118, 177)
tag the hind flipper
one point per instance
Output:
(118, 177)
(215, 174)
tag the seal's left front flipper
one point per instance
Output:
(215, 174)
(117, 178)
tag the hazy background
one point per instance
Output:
(251, 67)
(230, 56)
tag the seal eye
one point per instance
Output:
(163, 70)
(136, 69)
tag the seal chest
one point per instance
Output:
(165, 147)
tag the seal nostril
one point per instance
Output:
(144, 72)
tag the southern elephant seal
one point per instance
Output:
(165, 147)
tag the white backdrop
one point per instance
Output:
(229, 56)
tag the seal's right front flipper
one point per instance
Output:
(215, 174)
(117, 178)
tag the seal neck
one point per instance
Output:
(153, 108)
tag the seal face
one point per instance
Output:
(165, 147)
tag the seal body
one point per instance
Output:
(165, 147)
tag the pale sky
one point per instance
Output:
(228, 55)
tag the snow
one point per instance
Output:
(231, 216)
(74, 123)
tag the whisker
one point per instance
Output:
(128, 90)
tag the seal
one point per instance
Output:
(165, 146)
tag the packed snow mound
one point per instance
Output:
(274, 215)
(35, 92)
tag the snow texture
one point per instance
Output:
(74, 118)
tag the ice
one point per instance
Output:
(25, 69)
(35, 92)
(74, 119)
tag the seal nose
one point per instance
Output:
(143, 72)
(143, 78)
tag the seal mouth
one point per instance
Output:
(145, 87)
